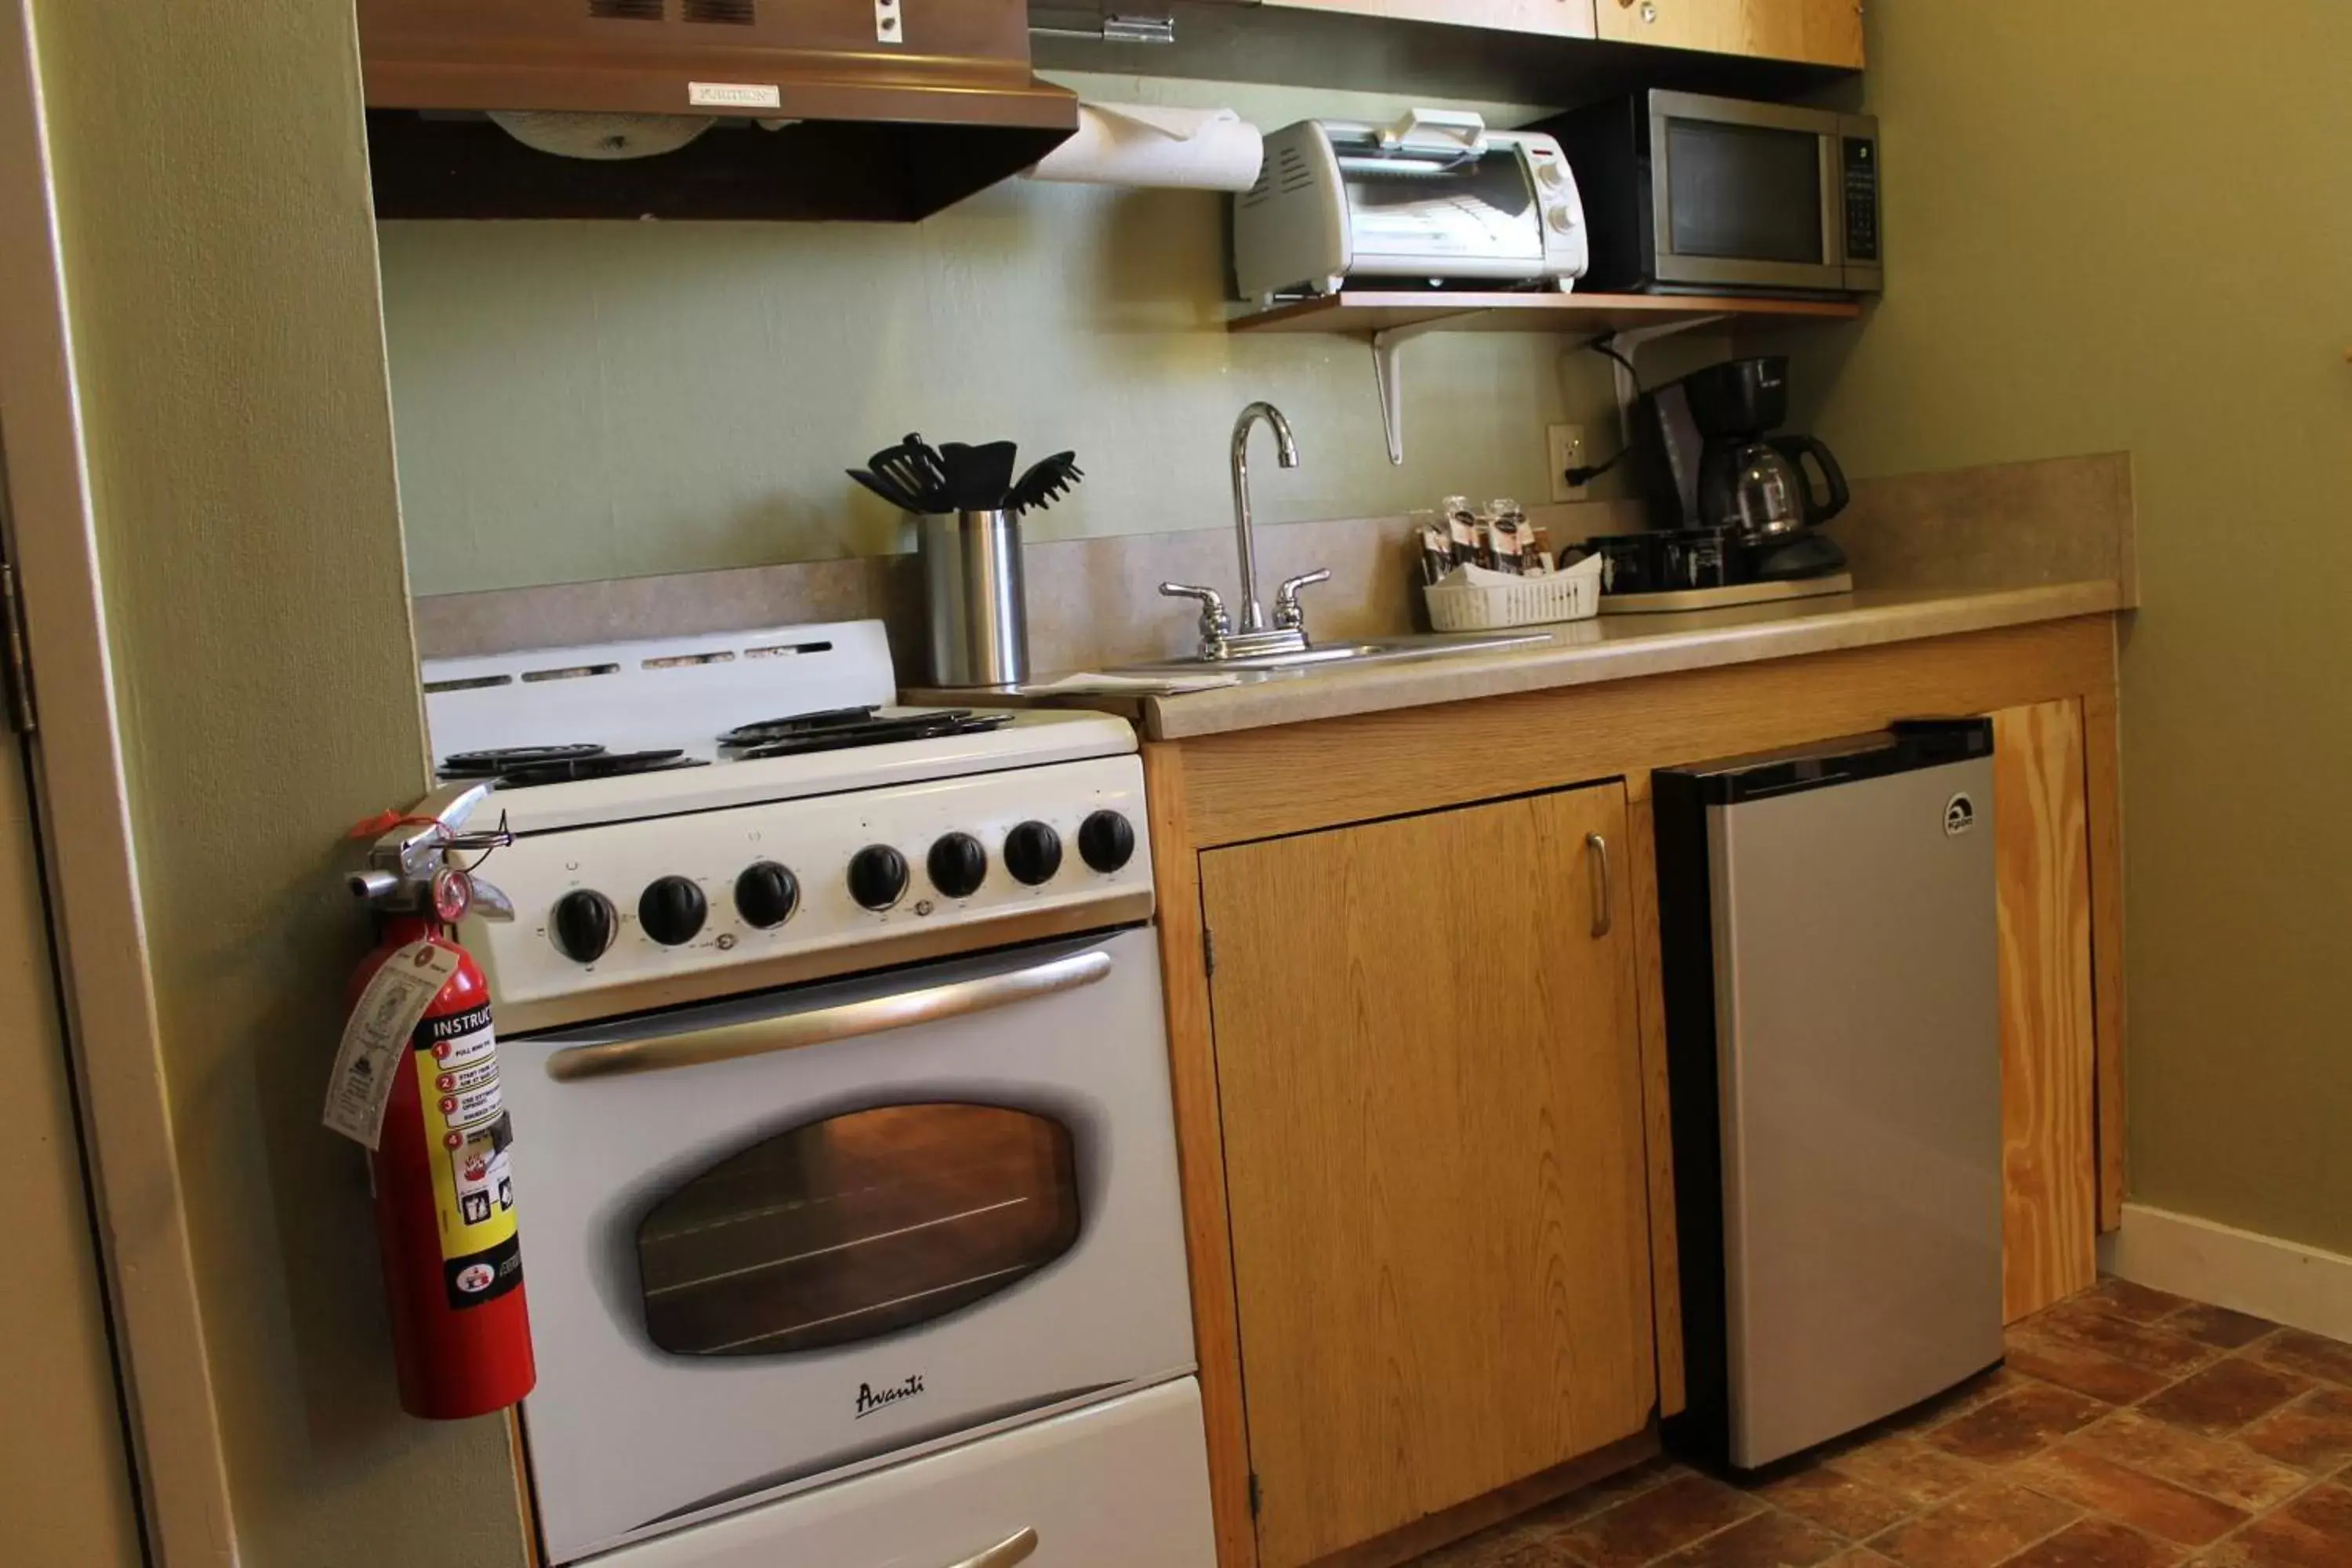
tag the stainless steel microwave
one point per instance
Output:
(1686, 194)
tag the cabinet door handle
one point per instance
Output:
(1597, 848)
(1004, 1554)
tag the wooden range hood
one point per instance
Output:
(856, 126)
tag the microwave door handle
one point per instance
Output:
(1832, 178)
(823, 1026)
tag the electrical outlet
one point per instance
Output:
(1566, 444)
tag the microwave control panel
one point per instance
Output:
(1861, 161)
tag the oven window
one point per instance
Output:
(855, 1228)
(1744, 191)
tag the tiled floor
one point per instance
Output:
(2129, 1429)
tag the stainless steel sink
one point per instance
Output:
(1388, 651)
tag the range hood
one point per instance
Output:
(873, 109)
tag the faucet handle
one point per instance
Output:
(1288, 615)
(1215, 623)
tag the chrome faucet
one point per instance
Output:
(1220, 639)
(1286, 452)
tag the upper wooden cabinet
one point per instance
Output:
(1816, 32)
(1428, 1060)
(1555, 52)
(1561, 19)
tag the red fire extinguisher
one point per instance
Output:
(444, 1201)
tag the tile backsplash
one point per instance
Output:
(1095, 602)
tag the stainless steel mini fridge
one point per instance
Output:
(1832, 965)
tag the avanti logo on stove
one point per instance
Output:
(870, 1401)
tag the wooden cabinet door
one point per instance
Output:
(2050, 1189)
(1562, 18)
(1820, 31)
(1427, 1044)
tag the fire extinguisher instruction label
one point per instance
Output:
(485, 1189)
(465, 1078)
(468, 1105)
(461, 1040)
(386, 1014)
(473, 1184)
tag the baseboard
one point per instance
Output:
(1435, 1530)
(2284, 1281)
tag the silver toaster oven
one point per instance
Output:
(1435, 198)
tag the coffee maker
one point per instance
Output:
(1737, 497)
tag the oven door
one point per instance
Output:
(1745, 195)
(784, 1237)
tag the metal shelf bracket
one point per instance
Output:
(1386, 375)
(1629, 343)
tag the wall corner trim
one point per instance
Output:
(176, 1447)
(2285, 1281)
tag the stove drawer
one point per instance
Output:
(1124, 1482)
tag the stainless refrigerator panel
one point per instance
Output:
(1858, 1033)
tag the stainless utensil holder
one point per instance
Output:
(971, 581)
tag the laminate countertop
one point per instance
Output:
(1609, 647)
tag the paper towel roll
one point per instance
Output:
(1144, 145)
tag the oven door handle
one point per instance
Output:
(1004, 1554)
(823, 1026)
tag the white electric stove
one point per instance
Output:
(838, 1076)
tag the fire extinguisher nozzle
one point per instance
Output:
(373, 886)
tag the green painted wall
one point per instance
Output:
(580, 401)
(2128, 223)
(213, 203)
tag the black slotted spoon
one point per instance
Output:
(887, 489)
(1047, 481)
(913, 469)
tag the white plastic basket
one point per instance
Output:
(1472, 599)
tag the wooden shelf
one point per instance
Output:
(1386, 312)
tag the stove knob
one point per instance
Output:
(1105, 841)
(877, 877)
(672, 910)
(1033, 853)
(766, 894)
(958, 865)
(585, 925)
